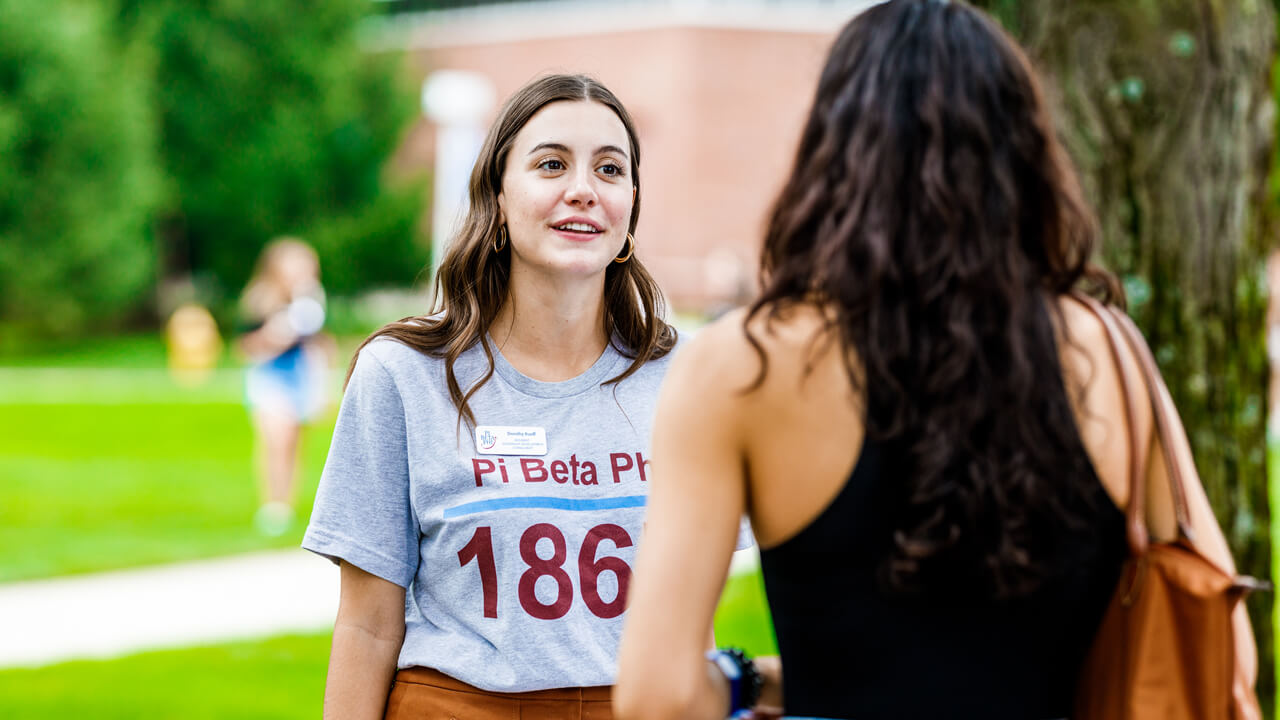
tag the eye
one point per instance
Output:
(611, 170)
(551, 165)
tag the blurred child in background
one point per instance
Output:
(283, 308)
(193, 344)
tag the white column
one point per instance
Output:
(459, 103)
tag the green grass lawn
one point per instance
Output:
(279, 678)
(110, 469)
(94, 487)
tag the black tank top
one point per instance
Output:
(850, 650)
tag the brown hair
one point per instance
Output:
(931, 209)
(472, 281)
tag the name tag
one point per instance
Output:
(505, 440)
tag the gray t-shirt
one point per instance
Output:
(512, 562)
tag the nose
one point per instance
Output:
(581, 193)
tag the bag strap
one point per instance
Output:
(1138, 369)
(1139, 452)
(1168, 424)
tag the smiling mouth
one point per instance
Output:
(578, 227)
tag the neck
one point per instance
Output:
(551, 330)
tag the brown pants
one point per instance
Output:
(426, 694)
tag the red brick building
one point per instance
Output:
(718, 91)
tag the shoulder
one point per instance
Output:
(707, 353)
(390, 359)
(782, 334)
(391, 354)
(741, 376)
(1104, 404)
(413, 343)
(1081, 326)
(1085, 349)
(743, 353)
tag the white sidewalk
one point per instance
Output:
(111, 614)
(116, 613)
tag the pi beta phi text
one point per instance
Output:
(622, 466)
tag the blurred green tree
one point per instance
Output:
(1168, 109)
(275, 121)
(78, 177)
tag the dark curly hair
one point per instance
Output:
(933, 211)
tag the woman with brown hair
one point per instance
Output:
(927, 432)
(485, 486)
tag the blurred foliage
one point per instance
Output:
(1168, 109)
(147, 141)
(378, 244)
(274, 121)
(78, 175)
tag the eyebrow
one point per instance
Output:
(564, 149)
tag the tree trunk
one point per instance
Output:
(1166, 106)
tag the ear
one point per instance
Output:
(502, 208)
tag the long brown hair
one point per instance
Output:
(932, 210)
(472, 281)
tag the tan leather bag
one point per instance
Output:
(1166, 647)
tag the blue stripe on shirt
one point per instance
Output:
(553, 503)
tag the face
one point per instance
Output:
(567, 190)
(296, 270)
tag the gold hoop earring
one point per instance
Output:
(631, 248)
(501, 241)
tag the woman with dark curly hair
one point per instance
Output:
(927, 432)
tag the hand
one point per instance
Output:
(769, 706)
(278, 330)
